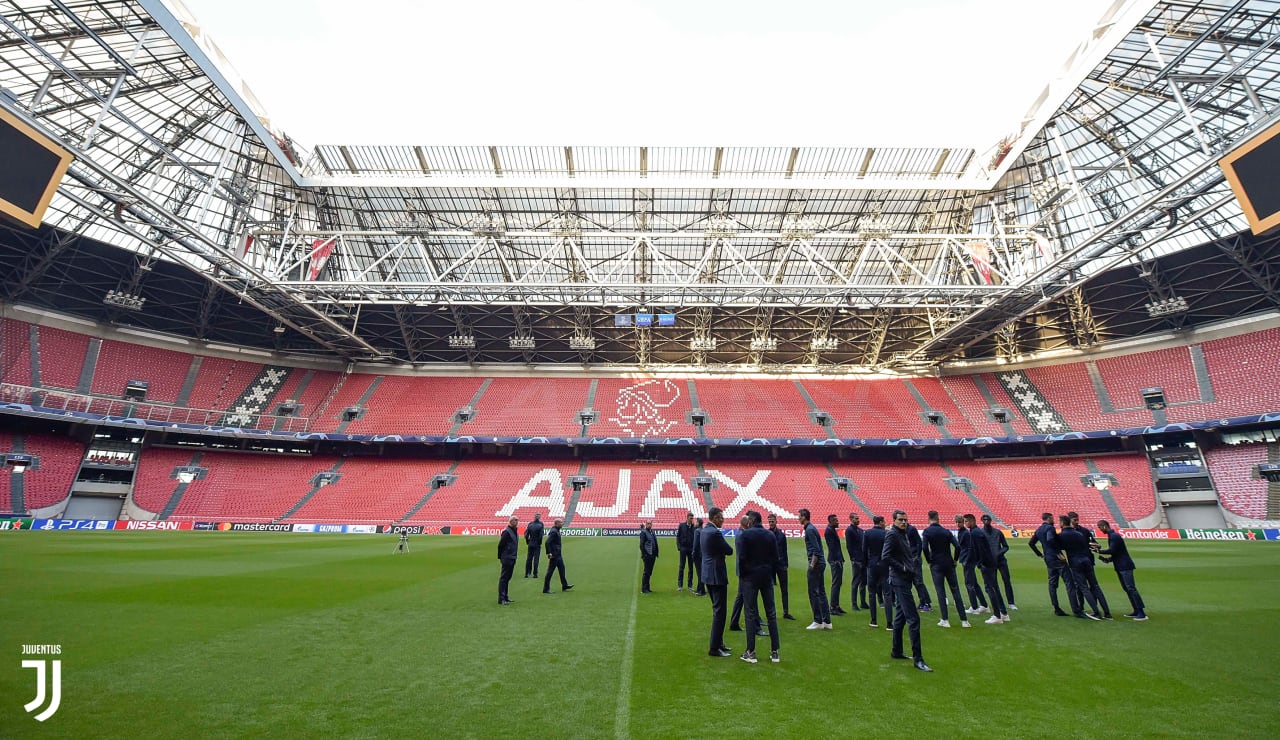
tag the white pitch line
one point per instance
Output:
(622, 718)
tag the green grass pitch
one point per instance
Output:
(263, 635)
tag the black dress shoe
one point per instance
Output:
(897, 656)
(720, 654)
(546, 590)
(923, 666)
(1059, 613)
(762, 633)
(788, 616)
(566, 588)
(735, 628)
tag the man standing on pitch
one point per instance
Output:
(817, 565)
(555, 561)
(735, 616)
(1073, 548)
(985, 560)
(940, 551)
(685, 535)
(878, 573)
(835, 558)
(1000, 548)
(897, 555)
(648, 553)
(1117, 553)
(857, 563)
(533, 546)
(697, 556)
(508, 551)
(781, 565)
(758, 557)
(716, 578)
(1056, 567)
(968, 563)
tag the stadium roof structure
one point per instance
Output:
(1102, 215)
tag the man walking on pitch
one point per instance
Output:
(985, 560)
(508, 551)
(940, 550)
(1117, 553)
(715, 577)
(835, 558)
(817, 566)
(897, 555)
(533, 546)
(781, 565)
(648, 553)
(685, 535)
(758, 557)
(555, 560)
(878, 573)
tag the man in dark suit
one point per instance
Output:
(853, 535)
(685, 535)
(555, 560)
(878, 573)
(735, 616)
(648, 553)
(1000, 548)
(1117, 553)
(716, 579)
(941, 551)
(508, 551)
(533, 546)
(817, 565)
(984, 560)
(782, 565)
(1057, 568)
(758, 557)
(697, 556)
(917, 546)
(1093, 548)
(977, 602)
(896, 554)
(835, 558)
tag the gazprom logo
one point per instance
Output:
(48, 680)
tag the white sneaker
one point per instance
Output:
(971, 610)
(1006, 618)
(983, 610)
(826, 625)
(944, 623)
(995, 620)
(815, 626)
(965, 624)
(1013, 607)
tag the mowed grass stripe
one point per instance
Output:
(174, 634)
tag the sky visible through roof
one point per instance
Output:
(648, 72)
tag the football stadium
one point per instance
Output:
(278, 416)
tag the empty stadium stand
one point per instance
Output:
(1234, 472)
(236, 487)
(369, 491)
(62, 355)
(15, 352)
(119, 362)
(756, 408)
(483, 488)
(50, 482)
(530, 407)
(411, 405)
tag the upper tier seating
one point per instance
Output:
(50, 483)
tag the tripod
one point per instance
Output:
(403, 545)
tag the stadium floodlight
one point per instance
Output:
(720, 227)
(1167, 307)
(874, 226)
(797, 226)
(462, 341)
(522, 343)
(764, 344)
(582, 342)
(121, 299)
(702, 344)
(824, 344)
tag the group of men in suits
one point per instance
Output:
(1069, 552)
(509, 551)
